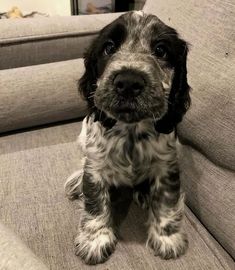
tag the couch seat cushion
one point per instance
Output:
(34, 166)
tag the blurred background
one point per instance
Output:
(29, 8)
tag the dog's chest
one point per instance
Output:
(125, 154)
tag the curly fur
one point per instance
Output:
(133, 148)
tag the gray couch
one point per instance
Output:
(40, 113)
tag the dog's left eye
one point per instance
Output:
(161, 51)
(109, 48)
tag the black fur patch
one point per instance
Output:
(106, 121)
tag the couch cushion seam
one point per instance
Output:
(29, 38)
(200, 150)
(204, 241)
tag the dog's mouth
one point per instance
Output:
(125, 110)
(124, 106)
(130, 111)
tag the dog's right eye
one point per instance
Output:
(109, 48)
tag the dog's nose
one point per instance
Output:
(129, 83)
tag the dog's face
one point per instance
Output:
(136, 69)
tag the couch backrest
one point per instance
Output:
(40, 64)
(207, 131)
(33, 41)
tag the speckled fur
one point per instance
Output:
(111, 162)
(126, 160)
(136, 150)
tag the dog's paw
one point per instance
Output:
(73, 185)
(141, 199)
(96, 247)
(168, 247)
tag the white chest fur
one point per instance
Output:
(127, 153)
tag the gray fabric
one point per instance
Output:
(42, 40)
(209, 126)
(40, 51)
(209, 27)
(40, 94)
(14, 255)
(34, 166)
(210, 194)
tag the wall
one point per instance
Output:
(51, 7)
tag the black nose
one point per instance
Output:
(129, 83)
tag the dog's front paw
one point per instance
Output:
(168, 247)
(95, 247)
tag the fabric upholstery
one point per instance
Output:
(210, 194)
(14, 255)
(40, 94)
(34, 166)
(208, 128)
(44, 40)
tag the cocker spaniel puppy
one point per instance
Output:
(135, 84)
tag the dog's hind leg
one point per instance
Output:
(73, 185)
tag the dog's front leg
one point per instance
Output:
(96, 239)
(165, 234)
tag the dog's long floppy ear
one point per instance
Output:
(179, 99)
(87, 83)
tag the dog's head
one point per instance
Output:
(136, 69)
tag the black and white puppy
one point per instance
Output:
(135, 83)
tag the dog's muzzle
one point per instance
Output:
(131, 90)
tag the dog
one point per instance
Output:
(135, 84)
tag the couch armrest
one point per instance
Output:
(26, 42)
(14, 255)
(41, 94)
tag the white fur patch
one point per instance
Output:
(82, 136)
(92, 247)
(174, 244)
(139, 13)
